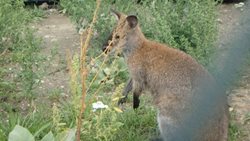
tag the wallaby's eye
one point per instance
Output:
(117, 36)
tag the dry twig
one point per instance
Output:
(84, 69)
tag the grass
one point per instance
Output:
(234, 131)
(191, 30)
(20, 69)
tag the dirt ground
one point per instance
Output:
(59, 35)
(60, 38)
(239, 96)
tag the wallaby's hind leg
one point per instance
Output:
(126, 90)
(136, 101)
(137, 89)
(157, 139)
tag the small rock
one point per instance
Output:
(231, 109)
(237, 24)
(239, 5)
(102, 15)
(52, 10)
(64, 11)
(81, 31)
(63, 94)
(5, 39)
(37, 80)
(47, 36)
(52, 26)
(53, 40)
(225, 11)
(219, 21)
(44, 6)
(95, 34)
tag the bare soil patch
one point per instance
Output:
(59, 37)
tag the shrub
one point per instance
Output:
(187, 25)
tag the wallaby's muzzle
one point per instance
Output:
(106, 46)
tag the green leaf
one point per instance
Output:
(20, 133)
(48, 137)
(67, 135)
(41, 129)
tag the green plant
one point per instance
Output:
(187, 25)
(22, 134)
(234, 132)
(37, 13)
(19, 49)
(247, 118)
(20, 61)
(37, 122)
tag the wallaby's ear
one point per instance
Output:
(132, 21)
(116, 14)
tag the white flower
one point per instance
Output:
(98, 105)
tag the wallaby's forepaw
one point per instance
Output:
(122, 100)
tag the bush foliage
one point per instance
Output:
(187, 25)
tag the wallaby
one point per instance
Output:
(178, 84)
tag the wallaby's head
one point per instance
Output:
(123, 34)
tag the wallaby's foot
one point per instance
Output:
(156, 139)
(136, 102)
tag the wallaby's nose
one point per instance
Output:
(105, 48)
(107, 43)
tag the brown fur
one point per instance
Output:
(172, 77)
